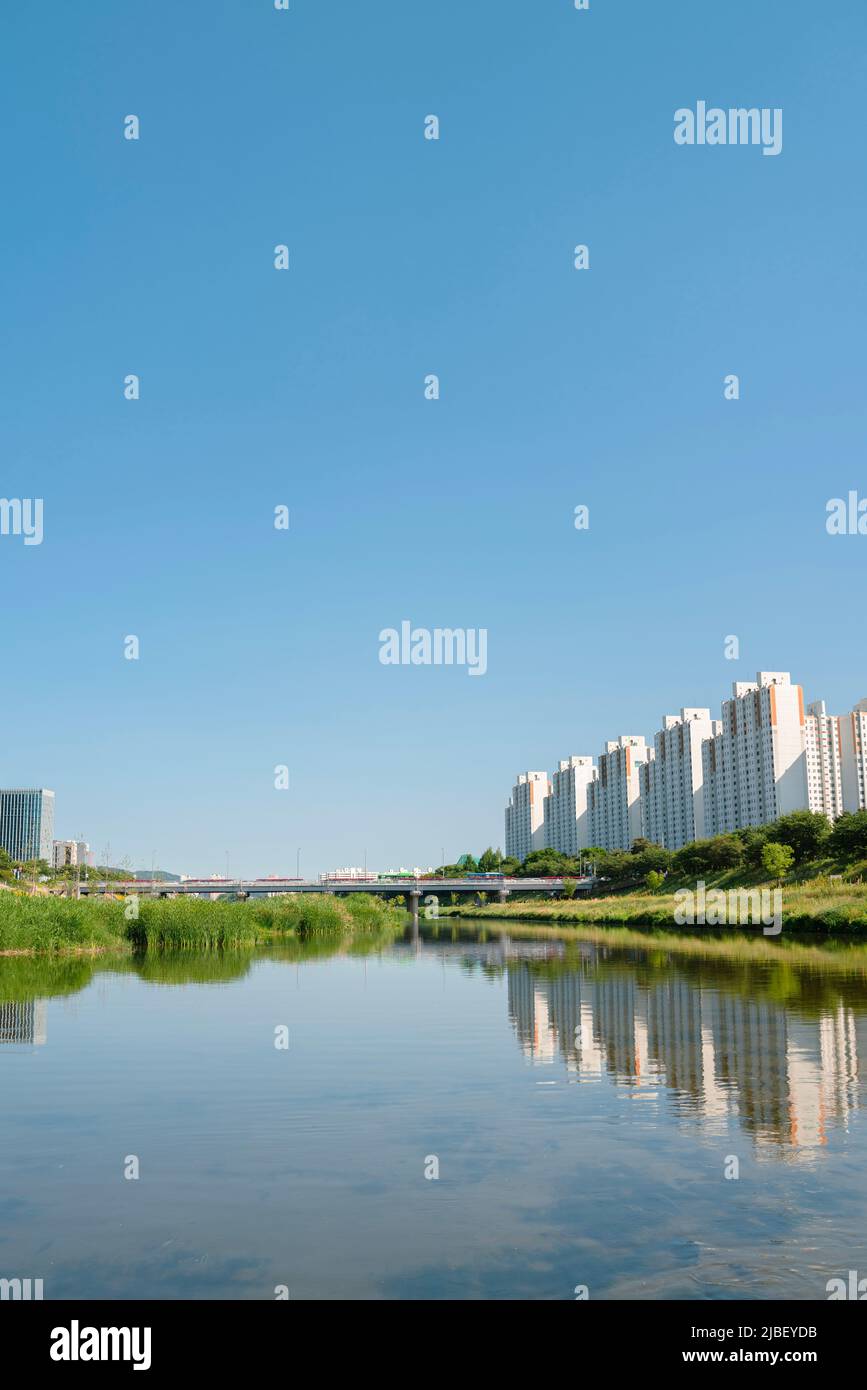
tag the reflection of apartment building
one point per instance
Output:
(749, 1038)
(614, 797)
(787, 1078)
(525, 814)
(23, 1022)
(822, 1067)
(672, 782)
(674, 1034)
(528, 1013)
(619, 1024)
(567, 826)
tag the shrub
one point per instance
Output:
(777, 859)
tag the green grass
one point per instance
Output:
(814, 904)
(55, 924)
(43, 924)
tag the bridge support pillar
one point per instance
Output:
(503, 895)
(413, 899)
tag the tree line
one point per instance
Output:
(791, 841)
(39, 870)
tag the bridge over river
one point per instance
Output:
(414, 889)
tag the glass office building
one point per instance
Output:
(27, 822)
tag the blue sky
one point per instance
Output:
(408, 257)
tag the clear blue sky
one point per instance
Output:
(305, 387)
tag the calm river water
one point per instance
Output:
(582, 1103)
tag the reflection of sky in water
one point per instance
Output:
(582, 1104)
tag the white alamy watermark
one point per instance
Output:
(20, 1290)
(846, 516)
(22, 516)
(854, 1289)
(439, 646)
(739, 907)
(739, 125)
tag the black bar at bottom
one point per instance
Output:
(158, 1338)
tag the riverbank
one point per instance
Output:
(32, 925)
(817, 905)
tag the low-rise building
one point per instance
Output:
(351, 875)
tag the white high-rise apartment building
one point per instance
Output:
(525, 814)
(853, 747)
(755, 768)
(614, 797)
(672, 781)
(824, 761)
(567, 826)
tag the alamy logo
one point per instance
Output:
(22, 516)
(76, 1343)
(442, 646)
(739, 125)
(20, 1290)
(740, 907)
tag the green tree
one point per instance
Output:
(490, 861)
(693, 858)
(848, 839)
(725, 852)
(510, 867)
(569, 887)
(618, 866)
(805, 832)
(777, 859)
(547, 863)
(654, 880)
(654, 857)
(754, 839)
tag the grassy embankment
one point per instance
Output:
(40, 924)
(809, 902)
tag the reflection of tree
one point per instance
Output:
(23, 978)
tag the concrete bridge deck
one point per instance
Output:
(414, 888)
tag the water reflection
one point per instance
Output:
(583, 1098)
(787, 1078)
(776, 1044)
(23, 1022)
